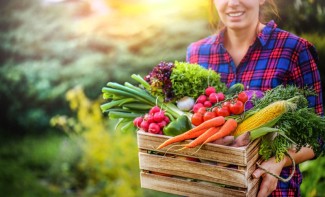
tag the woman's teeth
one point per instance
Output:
(235, 14)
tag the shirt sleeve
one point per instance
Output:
(306, 73)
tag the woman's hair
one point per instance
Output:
(268, 11)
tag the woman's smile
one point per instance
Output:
(235, 14)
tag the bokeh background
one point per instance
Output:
(56, 55)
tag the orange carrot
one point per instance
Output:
(214, 122)
(181, 137)
(226, 129)
(199, 140)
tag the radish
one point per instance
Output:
(162, 124)
(201, 99)
(159, 116)
(209, 90)
(213, 97)
(207, 104)
(144, 125)
(166, 119)
(154, 109)
(154, 128)
(149, 118)
(220, 96)
(137, 121)
(197, 106)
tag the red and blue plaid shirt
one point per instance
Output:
(276, 57)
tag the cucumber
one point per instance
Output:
(234, 89)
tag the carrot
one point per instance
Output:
(214, 122)
(181, 137)
(195, 132)
(199, 140)
(226, 129)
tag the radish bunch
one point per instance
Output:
(152, 122)
(207, 99)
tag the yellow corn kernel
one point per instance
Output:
(262, 117)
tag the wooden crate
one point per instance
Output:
(217, 170)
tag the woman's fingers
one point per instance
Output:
(268, 185)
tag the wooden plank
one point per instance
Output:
(213, 152)
(187, 188)
(194, 170)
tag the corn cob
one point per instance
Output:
(267, 116)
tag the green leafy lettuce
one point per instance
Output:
(192, 79)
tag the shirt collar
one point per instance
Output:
(266, 32)
(263, 36)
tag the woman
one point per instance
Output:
(261, 56)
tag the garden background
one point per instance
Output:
(56, 55)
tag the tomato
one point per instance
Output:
(202, 110)
(208, 115)
(226, 104)
(243, 97)
(223, 111)
(197, 119)
(236, 107)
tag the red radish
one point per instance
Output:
(144, 125)
(159, 116)
(154, 109)
(207, 104)
(154, 128)
(162, 124)
(166, 119)
(221, 96)
(197, 106)
(149, 118)
(213, 97)
(201, 99)
(209, 90)
(137, 121)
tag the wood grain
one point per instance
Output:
(225, 172)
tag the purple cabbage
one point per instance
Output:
(252, 95)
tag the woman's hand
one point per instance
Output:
(269, 182)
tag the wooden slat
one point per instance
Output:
(210, 180)
(213, 152)
(187, 188)
(194, 170)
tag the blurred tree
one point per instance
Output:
(47, 48)
(302, 16)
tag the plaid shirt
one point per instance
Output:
(276, 57)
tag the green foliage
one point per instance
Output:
(302, 16)
(313, 177)
(109, 163)
(48, 49)
(192, 79)
(37, 166)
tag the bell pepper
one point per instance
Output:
(178, 126)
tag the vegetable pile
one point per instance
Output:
(187, 102)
